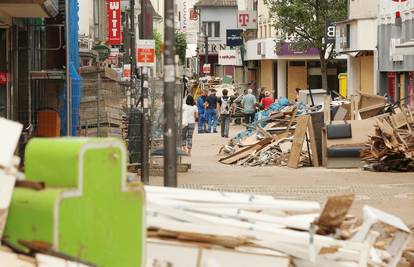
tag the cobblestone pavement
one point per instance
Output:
(392, 192)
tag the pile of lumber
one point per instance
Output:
(10, 256)
(292, 233)
(390, 149)
(102, 104)
(285, 140)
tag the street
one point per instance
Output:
(391, 192)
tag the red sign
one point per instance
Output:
(3, 78)
(399, 1)
(146, 55)
(206, 68)
(114, 21)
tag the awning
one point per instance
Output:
(358, 53)
(29, 8)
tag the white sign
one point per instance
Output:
(247, 20)
(229, 58)
(146, 53)
(206, 68)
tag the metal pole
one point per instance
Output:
(145, 116)
(132, 44)
(206, 49)
(170, 131)
(68, 80)
(98, 109)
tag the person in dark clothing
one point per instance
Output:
(262, 94)
(211, 111)
(225, 107)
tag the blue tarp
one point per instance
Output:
(73, 65)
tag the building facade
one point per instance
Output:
(357, 39)
(281, 69)
(396, 67)
(215, 17)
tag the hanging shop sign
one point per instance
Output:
(145, 52)
(114, 22)
(234, 37)
(229, 58)
(206, 68)
(247, 20)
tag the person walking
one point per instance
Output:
(266, 101)
(211, 111)
(225, 108)
(201, 100)
(188, 123)
(249, 103)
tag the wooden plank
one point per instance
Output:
(9, 137)
(318, 123)
(334, 213)
(369, 100)
(324, 147)
(327, 109)
(245, 152)
(298, 139)
(313, 144)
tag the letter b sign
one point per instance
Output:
(330, 32)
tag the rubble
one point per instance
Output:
(297, 231)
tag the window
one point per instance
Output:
(265, 31)
(211, 28)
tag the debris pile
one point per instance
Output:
(332, 135)
(390, 149)
(294, 233)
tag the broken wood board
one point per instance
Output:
(9, 137)
(245, 152)
(334, 213)
(6, 191)
(313, 144)
(369, 100)
(298, 139)
(177, 254)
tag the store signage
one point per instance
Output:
(145, 52)
(3, 78)
(330, 34)
(234, 37)
(206, 68)
(247, 20)
(229, 58)
(127, 71)
(114, 21)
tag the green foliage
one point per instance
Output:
(303, 23)
(180, 45)
(158, 42)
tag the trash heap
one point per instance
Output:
(362, 132)
(37, 254)
(390, 149)
(231, 229)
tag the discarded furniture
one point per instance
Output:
(87, 209)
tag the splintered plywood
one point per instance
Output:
(298, 139)
(6, 191)
(9, 136)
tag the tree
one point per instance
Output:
(303, 22)
(158, 43)
(180, 46)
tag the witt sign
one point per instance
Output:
(114, 21)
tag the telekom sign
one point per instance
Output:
(114, 21)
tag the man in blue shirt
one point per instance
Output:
(201, 112)
(249, 104)
(211, 111)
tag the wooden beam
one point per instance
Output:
(298, 139)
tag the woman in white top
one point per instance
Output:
(188, 123)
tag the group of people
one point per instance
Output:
(209, 108)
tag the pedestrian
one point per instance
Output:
(249, 103)
(211, 111)
(188, 123)
(262, 94)
(201, 100)
(267, 100)
(225, 108)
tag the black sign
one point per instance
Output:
(234, 37)
(330, 34)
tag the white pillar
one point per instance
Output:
(353, 76)
(281, 78)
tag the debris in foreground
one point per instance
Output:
(198, 224)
